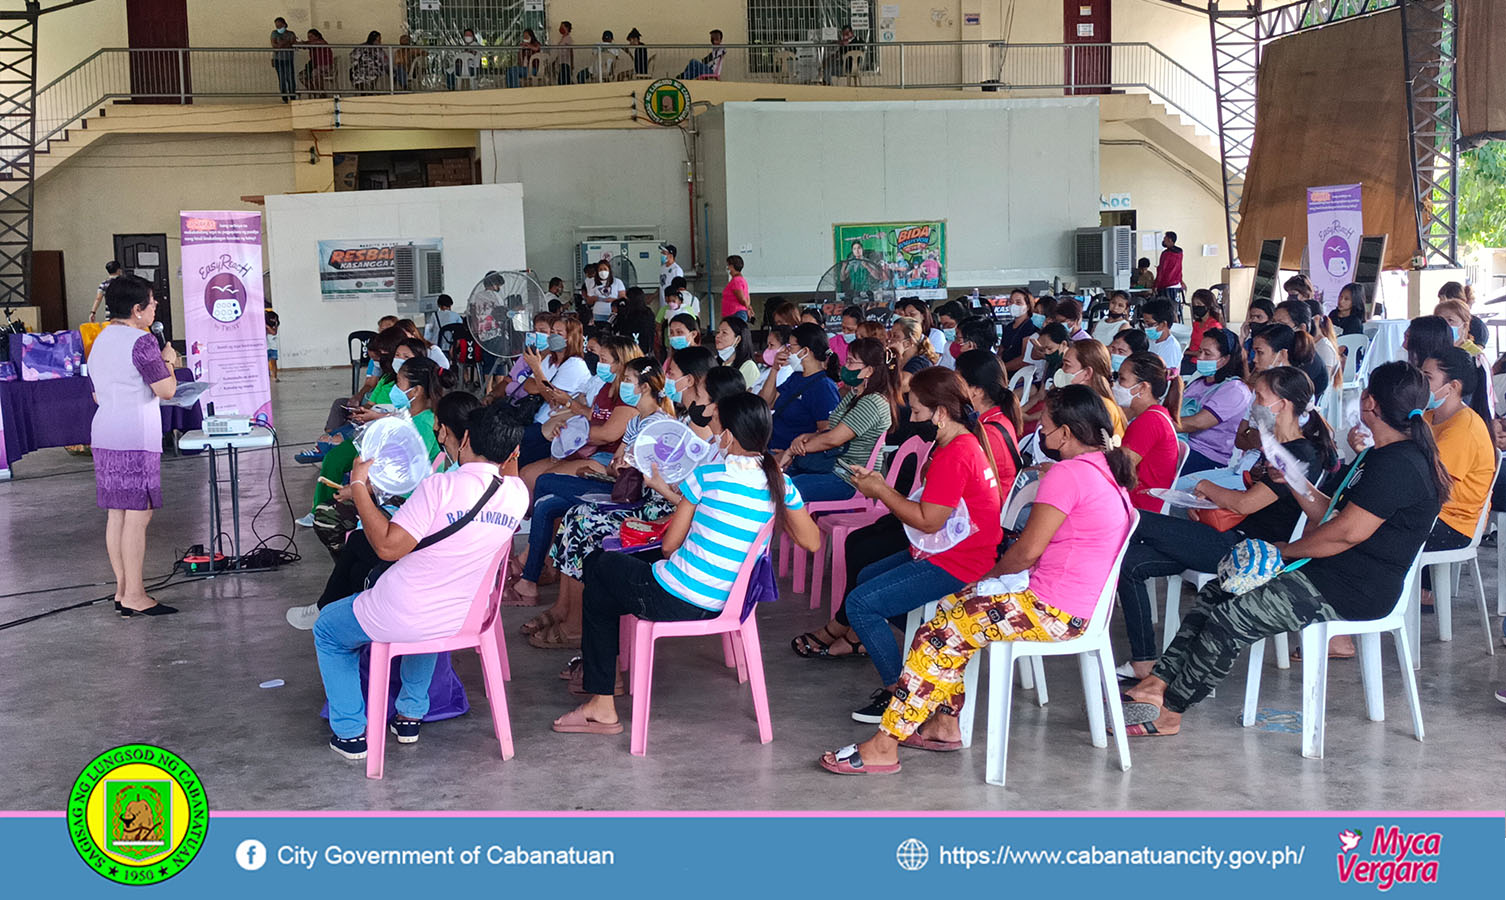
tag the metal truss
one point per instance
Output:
(1236, 68)
(18, 92)
(1429, 32)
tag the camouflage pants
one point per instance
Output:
(1221, 625)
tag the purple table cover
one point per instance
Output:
(58, 413)
(446, 694)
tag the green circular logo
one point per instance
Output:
(666, 102)
(137, 814)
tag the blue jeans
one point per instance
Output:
(1162, 546)
(1197, 462)
(888, 589)
(695, 69)
(815, 488)
(556, 494)
(338, 639)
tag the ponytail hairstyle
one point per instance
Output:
(981, 369)
(1081, 411)
(884, 381)
(650, 376)
(1265, 305)
(1460, 309)
(1162, 382)
(1298, 345)
(1292, 385)
(1234, 351)
(1453, 290)
(423, 372)
(1320, 325)
(1401, 393)
(750, 423)
(1458, 365)
(1426, 336)
(940, 388)
(622, 348)
(1299, 312)
(454, 412)
(912, 330)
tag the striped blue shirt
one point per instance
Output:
(732, 505)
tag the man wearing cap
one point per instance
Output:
(669, 270)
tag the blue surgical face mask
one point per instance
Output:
(672, 391)
(678, 342)
(1116, 360)
(726, 352)
(1434, 401)
(849, 337)
(556, 342)
(604, 372)
(1152, 334)
(401, 400)
(1206, 367)
(1455, 330)
(629, 394)
(950, 333)
(1038, 320)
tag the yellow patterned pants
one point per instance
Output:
(966, 622)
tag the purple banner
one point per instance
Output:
(222, 301)
(4, 461)
(1335, 222)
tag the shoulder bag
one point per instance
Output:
(436, 537)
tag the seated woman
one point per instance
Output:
(1021, 325)
(1459, 318)
(1257, 316)
(608, 415)
(1125, 344)
(821, 462)
(1115, 320)
(987, 391)
(419, 385)
(962, 467)
(412, 330)
(681, 333)
(852, 317)
(1348, 316)
(640, 388)
(1205, 317)
(1148, 392)
(1167, 545)
(554, 366)
(346, 412)
(912, 352)
(774, 340)
(1457, 414)
(1296, 315)
(1385, 505)
(1214, 403)
(1080, 519)
(1273, 346)
(510, 386)
(802, 403)
(734, 347)
(723, 506)
(1087, 363)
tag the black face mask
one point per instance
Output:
(699, 416)
(1115, 316)
(926, 431)
(1052, 453)
(591, 360)
(1199, 311)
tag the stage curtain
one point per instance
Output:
(1482, 71)
(1331, 108)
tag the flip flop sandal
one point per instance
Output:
(510, 597)
(1138, 713)
(573, 666)
(808, 646)
(538, 623)
(921, 743)
(575, 722)
(553, 637)
(578, 684)
(1147, 729)
(847, 761)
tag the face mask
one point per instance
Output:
(1116, 360)
(672, 391)
(1199, 311)
(673, 303)
(1061, 379)
(397, 364)
(604, 372)
(926, 431)
(699, 415)
(849, 338)
(851, 377)
(1115, 316)
(1263, 417)
(1455, 330)
(949, 333)
(401, 400)
(1434, 401)
(1054, 359)
(1123, 396)
(629, 394)
(556, 342)
(603, 276)
(678, 342)
(954, 350)
(1206, 367)
(282, 31)
(1038, 320)
(1052, 453)
(1153, 334)
(726, 352)
(769, 355)
(1014, 311)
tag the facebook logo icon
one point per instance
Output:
(251, 854)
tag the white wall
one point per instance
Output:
(599, 177)
(482, 228)
(1012, 178)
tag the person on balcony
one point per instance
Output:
(367, 63)
(640, 52)
(836, 64)
(710, 65)
(528, 50)
(321, 64)
(605, 64)
(283, 41)
(565, 53)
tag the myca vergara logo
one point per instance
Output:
(137, 814)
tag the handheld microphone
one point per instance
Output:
(157, 332)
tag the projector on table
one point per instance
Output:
(226, 426)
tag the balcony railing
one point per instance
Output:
(187, 75)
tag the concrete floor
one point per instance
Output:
(82, 681)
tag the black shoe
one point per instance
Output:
(350, 748)
(873, 713)
(406, 730)
(161, 609)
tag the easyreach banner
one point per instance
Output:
(913, 254)
(1335, 222)
(362, 269)
(222, 301)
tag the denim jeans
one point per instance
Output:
(556, 494)
(616, 585)
(815, 487)
(535, 446)
(1162, 546)
(1197, 462)
(888, 589)
(338, 639)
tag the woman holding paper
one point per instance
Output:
(131, 376)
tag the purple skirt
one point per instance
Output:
(127, 479)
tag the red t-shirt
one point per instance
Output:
(1153, 439)
(1002, 456)
(1169, 271)
(1198, 330)
(606, 402)
(959, 471)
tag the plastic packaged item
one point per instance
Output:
(399, 458)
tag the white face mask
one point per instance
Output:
(603, 276)
(1122, 395)
(1015, 312)
(726, 352)
(1062, 378)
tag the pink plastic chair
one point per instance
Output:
(739, 643)
(835, 529)
(483, 631)
(856, 503)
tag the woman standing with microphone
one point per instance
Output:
(131, 375)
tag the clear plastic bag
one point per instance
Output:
(399, 458)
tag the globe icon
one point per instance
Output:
(912, 855)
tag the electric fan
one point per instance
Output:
(501, 309)
(855, 282)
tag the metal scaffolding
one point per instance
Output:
(18, 122)
(1428, 40)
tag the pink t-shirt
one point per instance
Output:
(732, 296)
(1071, 572)
(428, 593)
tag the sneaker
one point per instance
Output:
(309, 457)
(350, 748)
(305, 522)
(406, 730)
(303, 617)
(873, 713)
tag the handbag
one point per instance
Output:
(629, 487)
(436, 537)
(1217, 519)
(641, 532)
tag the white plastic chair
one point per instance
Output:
(1355, 347)
(1094, 654)
(1021, 381)
(1183, 448)
(1443, 575)
(1315, 667)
